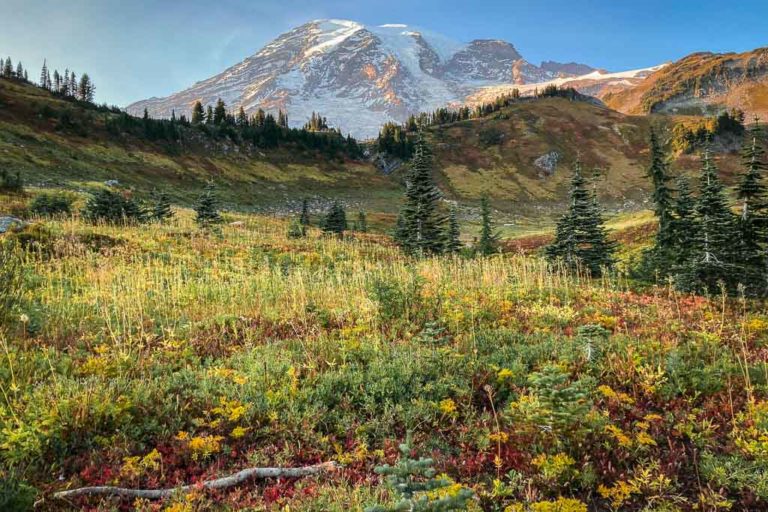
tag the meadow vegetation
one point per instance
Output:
(162, 354)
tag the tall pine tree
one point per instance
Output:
(580, 237)
(714, 247)
(752, 222)
(420, 224)
(489, 239)
(304, 217)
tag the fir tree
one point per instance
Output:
(198, 114)
(420, 227)
(712, 257)
(362, 222)
(452, 242)
(114, 207)
(161, 211)
(752, 223)
(335, 220)
(209, 115)
(44, 76)
(242, 118)
(219, 113)
(415, 481)
(207, 207)
(304, 217)
(580, 236)
(85, 89)
(8, 68)
(489, 240)
(658, 260)
(19, 71)
(684, 223)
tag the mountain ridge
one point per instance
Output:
(359, 76)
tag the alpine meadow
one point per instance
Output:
(371, 267)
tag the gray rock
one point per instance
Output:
(8, 223)
(547, 163)
(112, 183)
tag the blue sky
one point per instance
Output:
(139, 48)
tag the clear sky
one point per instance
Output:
(134, 49)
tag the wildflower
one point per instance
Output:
(448, 407)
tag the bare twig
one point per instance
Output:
(219, 483)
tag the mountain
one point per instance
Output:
(360, 76)
(597, 83)
(701, 84)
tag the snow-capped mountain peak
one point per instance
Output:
(359, 76)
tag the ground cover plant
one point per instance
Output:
(161, 354)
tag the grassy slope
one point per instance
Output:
(700, 83)
(31, 144)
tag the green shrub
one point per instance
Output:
(10, 281)
(11, 182)
(113, 207)
(50, 205)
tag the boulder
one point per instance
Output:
(10, 223)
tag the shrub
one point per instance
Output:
(50, 205)
(11, 182)
(296, 229)
(113, 207)
(10, 281)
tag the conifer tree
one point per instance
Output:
(19, 71)
(580, 236)
(242, 118)
(684, 223)
(335, 220)
(72, 85)
(219, 113)
(161, 211)
(113, 206)
(420, 226)
(489, 239)
(56, 81)
(85, 89)
(362, 222)
(417, 485)
(752, 222)
(44, 76)
(207, 208)
(198, 114)
(209, 115)
(659, 259)
(304, 217)
(8, 68)
(713, 254)
(452, 240)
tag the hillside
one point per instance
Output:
(521, 156)
(55, 142)
(701, 83)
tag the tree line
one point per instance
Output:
(706, 243)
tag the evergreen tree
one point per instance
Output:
(207, 208)
(8, 68)
(44, 76)
(209, 115)
(752, 223)
(198, 114)
(114, 207)
(489, 240)
(362, 222)
(335, 220)
(580, 236)
(161, 210)
(420, 224)
(72, 85)
(415, 482)
(242, 118)
(452, 241)
(659, 259)
(56, 82)
(64, 88)
(85, 89)
(219, 113)
(304, 217)
(684, 225)
(712, 257)
(19, 71)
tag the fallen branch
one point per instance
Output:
(219, 483)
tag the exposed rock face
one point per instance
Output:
(357, 76)
(547, 163)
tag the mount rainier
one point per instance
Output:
(360, 76)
